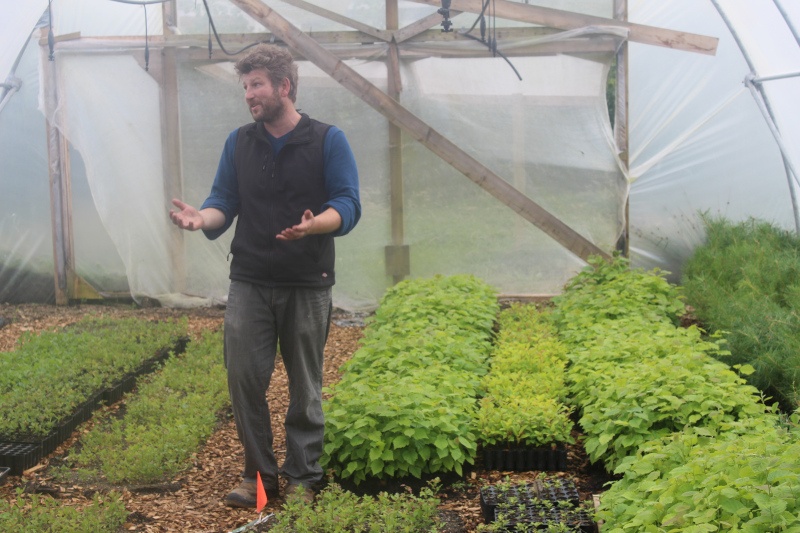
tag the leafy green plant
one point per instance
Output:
(164, 423)
(633, 374)
(50, 375)
(401, 426)
(745, 281)
(528, 420)
(33, 512)
(338, 510)
(744, 477)
(525, 388)
(610, 291)
(406, 401)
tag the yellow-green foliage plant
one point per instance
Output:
(523, 392)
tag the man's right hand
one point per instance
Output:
(187, 218)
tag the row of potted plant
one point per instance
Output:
(51, 376)
(695, 446)
(742, 476)
(634, 374)
(171, 414)
(405, 404)
(522, 407)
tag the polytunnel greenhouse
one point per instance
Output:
(511, 140)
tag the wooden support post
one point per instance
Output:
(68, 285)
(60, 197)
(398, 261)
(420, 131)
(171, 143)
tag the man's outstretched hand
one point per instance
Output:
(300, 230)
(187, 218)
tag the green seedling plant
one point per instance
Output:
(33, 512)
(744, 477)
(336, 510)
(745, 281)
(50, 375)
(406, 401)
(164, 423)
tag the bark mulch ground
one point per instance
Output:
(192, 502)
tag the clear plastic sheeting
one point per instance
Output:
(547, 134)
(698, 141)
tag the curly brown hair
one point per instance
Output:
(277, 62)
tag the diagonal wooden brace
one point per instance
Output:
(308, 48)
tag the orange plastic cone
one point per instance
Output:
(261, 494)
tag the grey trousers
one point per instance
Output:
(258, 321)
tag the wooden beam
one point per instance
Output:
(420, 131)
(567, 20)
(68, 284)
(195, 47)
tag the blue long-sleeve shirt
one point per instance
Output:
(341, 181)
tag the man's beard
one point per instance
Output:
(271, 110)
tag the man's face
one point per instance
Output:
(264, 100)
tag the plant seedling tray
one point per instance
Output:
(19, 456)
(538, 504)
(525, 459)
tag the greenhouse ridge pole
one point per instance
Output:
(420, 131)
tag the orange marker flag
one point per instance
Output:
(261, 494)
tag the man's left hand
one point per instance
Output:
(300, 230)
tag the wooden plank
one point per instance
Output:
(566, 20)
(420, 131)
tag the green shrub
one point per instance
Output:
(525, 387)
(743, 477)
(339, 510)
(50, 375)
(164, 423)
(745, 281)
(34, 513)
(406, 401)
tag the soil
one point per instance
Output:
(192, 502)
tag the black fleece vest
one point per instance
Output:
(274, 193)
